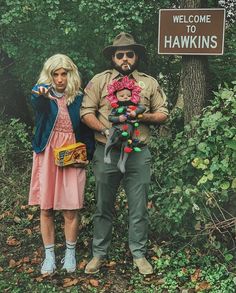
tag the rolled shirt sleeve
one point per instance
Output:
(91, 98)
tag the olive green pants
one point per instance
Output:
(136, 181)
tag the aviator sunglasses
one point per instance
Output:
(129, 54)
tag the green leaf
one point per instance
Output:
(225, 185)
(228, 257)
(233, 184)
(202, 180)
(210, 176)
(231, 144)
(202, 146)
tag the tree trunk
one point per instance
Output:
(194, 79)
(194, 76)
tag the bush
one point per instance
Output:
(15, 146)
(194, 174)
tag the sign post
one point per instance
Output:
(191, 31)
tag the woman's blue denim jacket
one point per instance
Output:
(46, 111)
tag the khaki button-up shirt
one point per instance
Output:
(95, 102)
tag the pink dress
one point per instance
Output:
(53, 187)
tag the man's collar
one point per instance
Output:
(116, 74)
(134, 74)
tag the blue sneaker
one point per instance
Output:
(69, 261)
(48, 265)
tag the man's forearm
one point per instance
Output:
(153, 118)
(92, 122)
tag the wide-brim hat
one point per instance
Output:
(124, 40)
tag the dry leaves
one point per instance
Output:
(6, 214)
(17, 219)
(94, 282)
(29, 270)
(195, 276)
(36, 260)
(202, 286)
(24, 207)
(68, 282)
(11, 241)
(26, 259)
(41, 277)
(30, 217)
(27, 231)
(82, 264)
(13, 263)
(111, 264)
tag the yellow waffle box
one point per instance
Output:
(69, 154)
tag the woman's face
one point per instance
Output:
(60, 80)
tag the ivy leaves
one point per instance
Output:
(196, 173)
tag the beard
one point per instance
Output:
(126, 71)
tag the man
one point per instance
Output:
(124, 54)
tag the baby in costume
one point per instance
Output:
(124, 97)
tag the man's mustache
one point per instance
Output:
(127, 64)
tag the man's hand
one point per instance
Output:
(105, 132)
(80, 164)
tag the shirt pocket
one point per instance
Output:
(145, 99)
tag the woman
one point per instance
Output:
(56, 99)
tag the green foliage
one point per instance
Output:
(31, 31)
(193, 270)
(194, 172)
(186, 271)
(15, 161)
(15, 146)
(221, 68)
(179, 200)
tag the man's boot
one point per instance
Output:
(144, 267)
(94, 265)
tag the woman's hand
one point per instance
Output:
(43, 91)
(80, 164)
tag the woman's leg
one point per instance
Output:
(71, 225)
(47, 226)
(48, 236)
(71, 232)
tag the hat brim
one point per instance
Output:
(109, 50)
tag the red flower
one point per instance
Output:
(124, 83)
